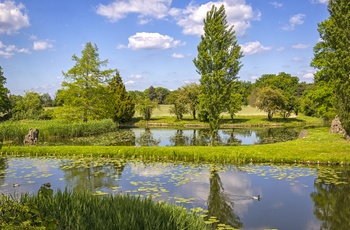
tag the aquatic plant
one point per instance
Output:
(77, 210)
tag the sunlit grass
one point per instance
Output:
(318, 146)
(75, 210)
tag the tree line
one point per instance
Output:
(90, 92)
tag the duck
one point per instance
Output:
(256, 197)
(16, 185)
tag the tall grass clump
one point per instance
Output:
(11, 130)
(74, 210)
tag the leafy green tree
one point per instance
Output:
(151, 93)
(145, 107)
(192, 91)
(180, 102)
(234, 104)
(5, 103)
(120, 106)
(83, 87)
(287, 86)
(28, 107)
(46, 100)
(246, 88)
(332, 59)
(269, 100)
(162, 94)
(318, 101)
(218, 64)
(135, 94)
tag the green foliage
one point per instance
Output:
(120, 105)
(27, 107)
(162, 94)
(318, 146)
(192, 91)
(286, 86)
(46, 100)
(5, 103)
(218, 64)
(145, 107)
(318, 101)
(180, 102)
(332, 59)
(74, 210)
(83, 88)
(15, 131)
(269, 100)
(235, 104)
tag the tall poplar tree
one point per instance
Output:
(218, 63)
(83, 87)
(332, 57)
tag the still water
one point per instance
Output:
(292, 196)
(183, 137)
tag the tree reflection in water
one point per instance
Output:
(219, 203)
(332, 199)
(92, 175)
(272, 135)
(146, 139)
(3, 167)
(179, 139)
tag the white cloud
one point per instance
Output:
(121, 46)
(42, 45)
(129, 83)
(23, 50)
(276, 4)
(176, 55)
(297, 59)
(300, 46)
(12, 17)
(279, 49)
(136, 76)
(145, 40)
(320, 1)
(238, 14)
(254, 48)
(294, 21)
(144, 8)
(6, 54)
(8, 51)
(307, 74)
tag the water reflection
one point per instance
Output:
(332, 198)
(293, 197)
(146, 138)
(3, 166)
(219, 203)
(89, 176)
(183, 137)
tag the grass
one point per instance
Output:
(247, 117)
(10, 130)
(75, 210)
(319, 146)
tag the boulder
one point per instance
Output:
(337, 127)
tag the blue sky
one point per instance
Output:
(151, 42)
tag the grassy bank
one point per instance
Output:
(72, 210)
(319, 146)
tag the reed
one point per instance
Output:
(11, 130)
(319, 146)
(74, 210)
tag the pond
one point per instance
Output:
(292, 196)
(183, 137)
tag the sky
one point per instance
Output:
(151, 42)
